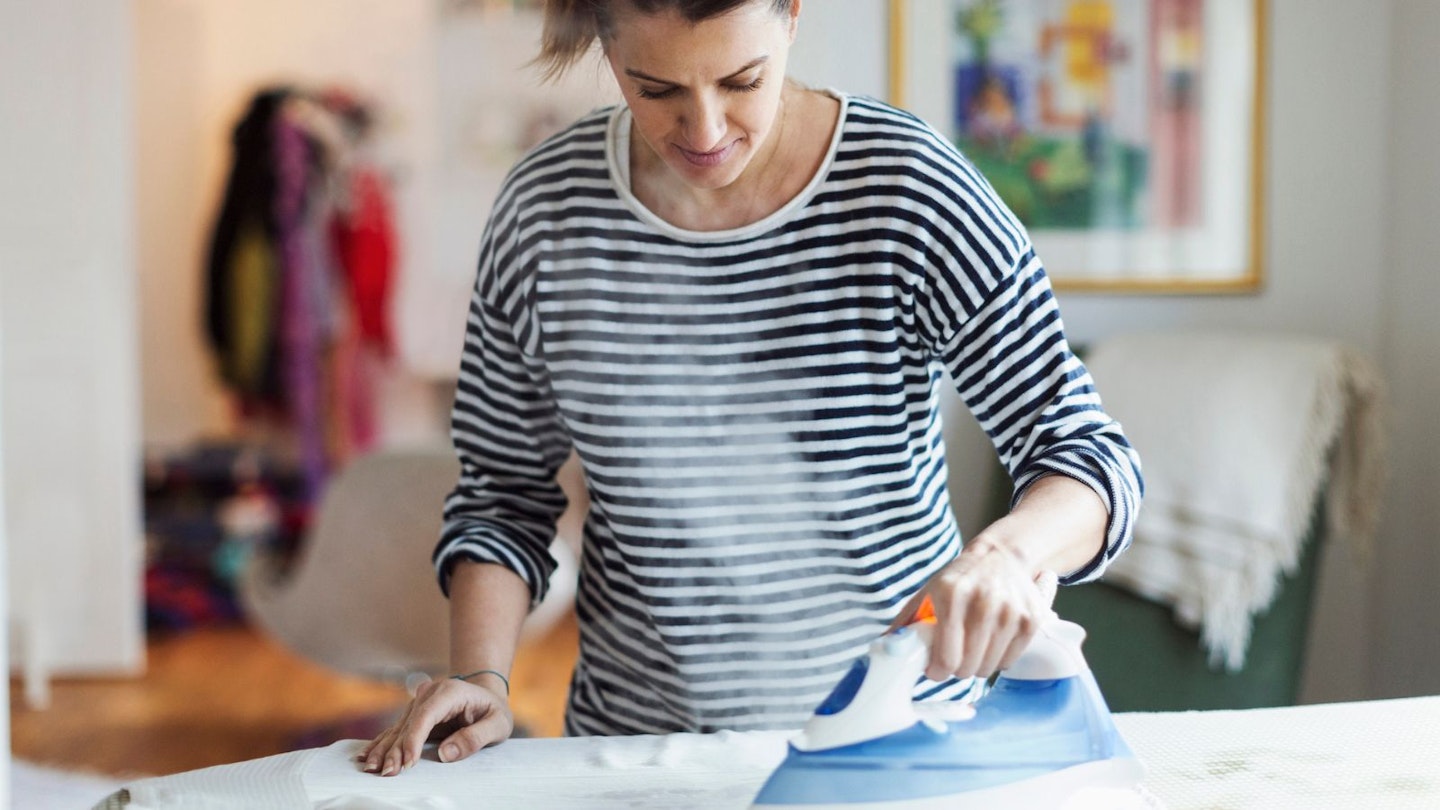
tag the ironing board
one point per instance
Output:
(1339, 755)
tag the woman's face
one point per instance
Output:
(704, 95)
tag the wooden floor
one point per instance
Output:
(220, 695)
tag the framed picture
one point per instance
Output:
(1126, 134)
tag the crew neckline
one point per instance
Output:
(617, 158)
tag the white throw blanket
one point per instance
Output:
(1238, 434)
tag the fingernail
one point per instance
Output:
(371, 767)
(448, 752)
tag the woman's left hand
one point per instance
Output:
(988, 604)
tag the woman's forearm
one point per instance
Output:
(1059, 525)
(488, 603)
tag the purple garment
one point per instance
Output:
(302, 315)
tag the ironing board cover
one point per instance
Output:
(1343, 755)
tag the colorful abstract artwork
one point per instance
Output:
(1083, 112)
(1122, 130)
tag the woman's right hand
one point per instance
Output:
(465, 717)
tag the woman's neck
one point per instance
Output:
(792, 154)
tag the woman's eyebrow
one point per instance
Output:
(751, 65)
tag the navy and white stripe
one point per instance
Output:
(756, 411)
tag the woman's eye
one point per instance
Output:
(647, 93)
(748, 87)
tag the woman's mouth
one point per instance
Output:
(709, 159)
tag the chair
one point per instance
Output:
(362, 596)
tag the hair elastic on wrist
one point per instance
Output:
(466, 677)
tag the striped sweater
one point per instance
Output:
(756, 411)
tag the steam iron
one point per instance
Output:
(1041, 737)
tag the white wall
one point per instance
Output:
(197, 64)
(4, 592)
(841, 44)
(71, 419)
(1407, 623)
(172, 211)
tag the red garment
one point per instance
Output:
(363, 237)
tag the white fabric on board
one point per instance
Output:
(1334, 756)
(276, 782)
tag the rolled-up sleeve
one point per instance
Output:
(1037, 402)
(506, 430)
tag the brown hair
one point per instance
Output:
(571, 26)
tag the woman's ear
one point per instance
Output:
(794, 20)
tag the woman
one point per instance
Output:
(733, 296)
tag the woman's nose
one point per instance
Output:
(704, 124)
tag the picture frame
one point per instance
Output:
(1127, 135)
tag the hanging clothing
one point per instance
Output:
(363, 236)
(298, 278)
(241, 277)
